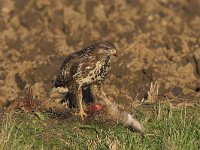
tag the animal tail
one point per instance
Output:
(124, 118)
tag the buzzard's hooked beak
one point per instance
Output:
(113, 52)
(115, 55)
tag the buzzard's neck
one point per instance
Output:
(106, 59)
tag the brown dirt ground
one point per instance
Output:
(158, 40)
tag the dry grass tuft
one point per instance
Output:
(26, 103)
(153, 92)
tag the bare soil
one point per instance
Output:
(157, 40)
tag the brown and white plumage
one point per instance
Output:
(87, 67)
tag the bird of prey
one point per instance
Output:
(86, 68)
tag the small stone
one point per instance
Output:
(197, 89)
(176, 91)
(20, 82)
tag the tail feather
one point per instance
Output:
(58, 93)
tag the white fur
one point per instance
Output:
(123, 117)
(133, 123)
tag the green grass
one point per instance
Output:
(165, 128)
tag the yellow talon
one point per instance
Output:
(82, 114)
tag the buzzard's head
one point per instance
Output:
(106, 48)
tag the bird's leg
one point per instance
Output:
(79, 98)
(94, 91)
(104, 97)
(100, 93)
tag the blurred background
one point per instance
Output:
(158, 41)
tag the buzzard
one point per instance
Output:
(86, 68)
